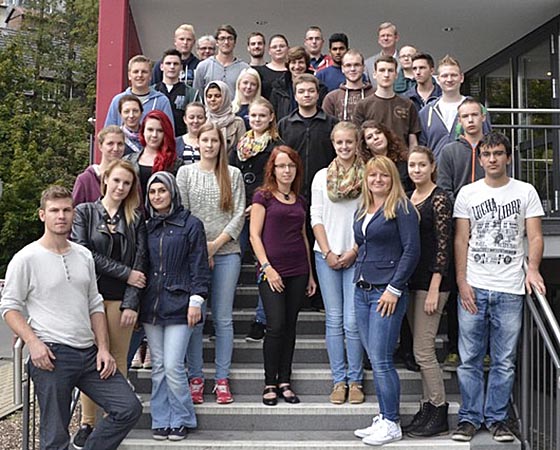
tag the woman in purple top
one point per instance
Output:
(277, 233)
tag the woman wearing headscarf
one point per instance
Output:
(177, 287)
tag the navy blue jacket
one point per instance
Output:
(178, 267)
(389, 252)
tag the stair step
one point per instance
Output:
(283, 440)
(313, 379)
(313, 413)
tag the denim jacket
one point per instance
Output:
(390, 249)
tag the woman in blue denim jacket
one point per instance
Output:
(387, 236)
(177, 287)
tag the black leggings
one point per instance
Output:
(281, 309)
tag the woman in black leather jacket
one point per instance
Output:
(115, 233)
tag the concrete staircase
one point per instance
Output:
(315, 423)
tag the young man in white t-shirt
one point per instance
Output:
(492, 216)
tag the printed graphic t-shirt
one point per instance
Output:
(497, 222)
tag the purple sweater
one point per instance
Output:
(87, 187)
(282, 235)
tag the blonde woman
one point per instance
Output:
(247, 89)
(114, 231)
(387, 237)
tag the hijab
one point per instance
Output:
(224, 116)
(168, 180)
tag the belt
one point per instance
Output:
(364, 285)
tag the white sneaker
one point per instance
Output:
(386, 431)
(363, 432)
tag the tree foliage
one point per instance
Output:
(47, 92)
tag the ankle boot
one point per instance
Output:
(435, 425)
(420, 418)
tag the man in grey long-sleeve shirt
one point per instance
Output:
(54, 280)
(224, 66)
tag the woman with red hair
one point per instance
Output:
(158, 153)
(277, 233)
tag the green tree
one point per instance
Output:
(47, 87)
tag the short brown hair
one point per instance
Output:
(306, 78)
(253, 34)
(54, 192)
(295, 53)
(228, 29)
(386, 59)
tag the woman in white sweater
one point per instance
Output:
(215, 193)
(335, 197)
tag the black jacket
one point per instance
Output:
(312, 140)
(282, 96)
(90, 230)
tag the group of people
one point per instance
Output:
(340, 186)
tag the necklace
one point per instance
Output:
(286, 196)
(112, 220)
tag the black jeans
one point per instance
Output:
(281, 309)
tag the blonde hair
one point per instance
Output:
(396, 196)
(449, 60)
(236, 102)
(139, 59)
(132, 201)
(186, 27)
(273, 127)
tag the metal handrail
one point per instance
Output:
(17, 354)
(525, 110)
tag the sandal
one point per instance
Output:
(270, 401)
(288, 398)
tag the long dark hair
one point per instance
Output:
(167, 154)
(396, 148)
(269, 184)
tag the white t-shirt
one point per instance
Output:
(497, 222)
(448, 112)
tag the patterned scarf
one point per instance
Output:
(250, 146)
(344, 184)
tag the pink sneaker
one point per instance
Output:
(223, 394)
(197, 390)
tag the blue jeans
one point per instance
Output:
(340, 322)
(222, 293)
(78, 368)
(379, 336)
(171, 403)
(497, 322)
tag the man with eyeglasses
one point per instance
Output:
(405, 77)
(313, 44)
(387, 38)
(341, 102)
(492, 216)
(222, 67)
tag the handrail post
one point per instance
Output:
(525, 345)
(18, 370)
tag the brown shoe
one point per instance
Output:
(338, 394)
(356, 394)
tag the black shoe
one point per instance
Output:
(501, 432)
(160, 434)
(420, 418)
(436, 424)
(273, 401)
(410, 362)
(256, 332)
(464, 432)
(81, 436)
(178, 434)
(288, 399)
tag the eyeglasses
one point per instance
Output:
(495, 154)
(285, 166)
(206, 49)
(226, 38)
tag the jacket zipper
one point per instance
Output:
(160, 273)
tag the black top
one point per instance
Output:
(268, 76)
(109, 287)
(436, 234)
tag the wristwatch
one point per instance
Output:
(325, 255)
